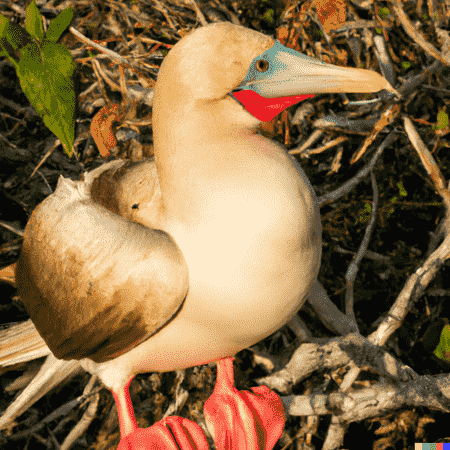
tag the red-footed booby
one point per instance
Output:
(214, 245)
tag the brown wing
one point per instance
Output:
(94, 283)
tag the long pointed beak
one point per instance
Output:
(281, 72)
(288, 76)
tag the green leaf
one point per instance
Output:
(442, 120)
(268, 15)
(443, 349)
(402, 189)
(58, 25)
(15, 35)
(12, 39)
(33, 21)
(384, 12)
(45, 76)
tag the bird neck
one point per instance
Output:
(198, 145)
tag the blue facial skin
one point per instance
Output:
(282, 62)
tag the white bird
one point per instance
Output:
(211, 247)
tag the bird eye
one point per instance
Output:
(262, 65)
